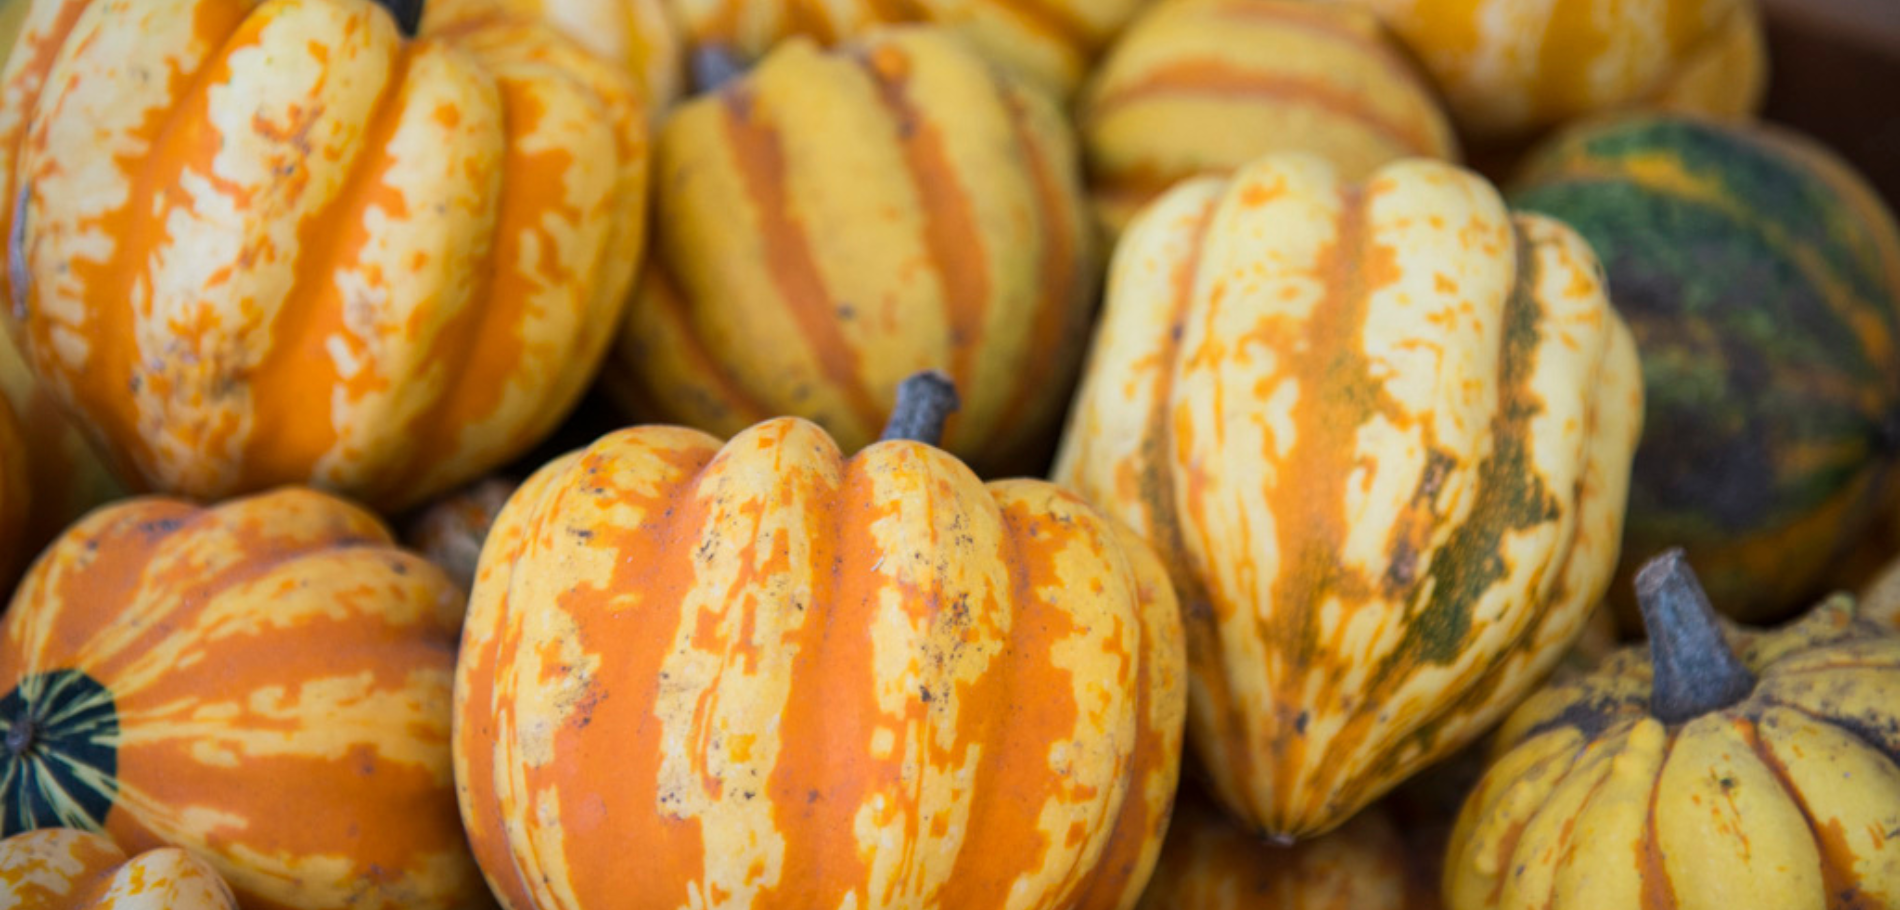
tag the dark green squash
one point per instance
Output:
(1761, 277)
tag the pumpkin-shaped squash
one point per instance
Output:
(1682, 776)
(311, 247)
(1509, 69)
(783, 677)
(636, 34)
(835, 222)
(1049, 42)
(266, 683)
(450, 531)
(1381, 435)
(1211, 863)
(68, 869)
(1205, 86)
(1762, 280)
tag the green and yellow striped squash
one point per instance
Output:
(836, 221)
(265, 683)
(1381, 434)
(1762, 280)
(1205, 86)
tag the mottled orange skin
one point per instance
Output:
(1212, 863)
(281, 677)
(278, 242)
(834, 222)
(781, 678)
(66, 869)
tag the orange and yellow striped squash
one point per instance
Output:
(68, 869)
(766, 675)
(1510, 68)
(1211, 863)
(1205, 86)
(835, 222)
(310, 248)
(1050, 42)
(1774, 785)
(636, 34)
(266, 683)
(1381, 433)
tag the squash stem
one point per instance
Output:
(711, 66)
(924, 402)
(408, 15)
(1696, 671)
(22, 734)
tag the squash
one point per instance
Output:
(1210, 863)
(1048, 42)
(324, 247)
(265, 683)
(834, 222)
(1205, 86)
(1512, 69)
(636, 34)
(1380, 433)
(66, 869)
(780, 676)
(450, 532)
(1691, 775)
(1762, 279)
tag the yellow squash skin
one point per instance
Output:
(1205, 86)
(1381, 434)
(266, 683)
(309, 249)
(1786, 800)
(764, 675)
(1050, 42)
(1510, 68)
(1210, 863)
(835, 222)
(65, 869)
(636, 34)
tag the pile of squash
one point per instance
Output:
(962, 454)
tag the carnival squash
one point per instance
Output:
(1049, 42)
(1690, 776)
(1381, 435)
(764, 674)
(1205, 86)
(834, 222)
(67, 869)
(312, 243)
(451, 530)
(1211, 863)
(1762, 280)
(265, 683)
(1510, 68)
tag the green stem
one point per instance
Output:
(924, 402)
(1696, 673)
